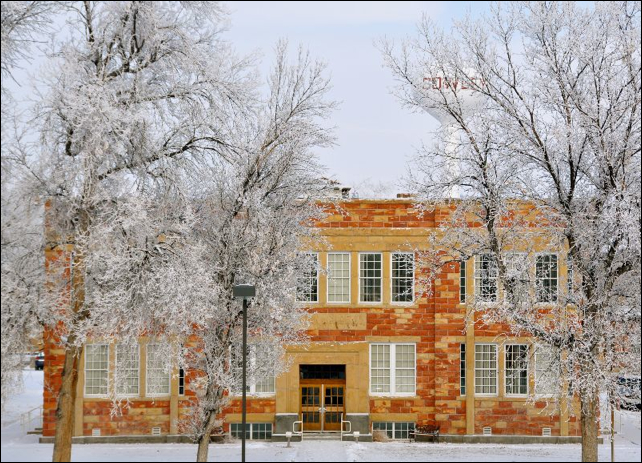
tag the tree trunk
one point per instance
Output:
(65, 409)
(213, 396)
(590, 427)
(204, 440)
(65, 413)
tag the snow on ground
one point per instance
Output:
(19, 447)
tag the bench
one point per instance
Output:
(425, 430)
(217, 434)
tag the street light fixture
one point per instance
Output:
(245, 292)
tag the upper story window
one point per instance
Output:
(370, 277)
(339, 277)
(127, 370)
(96, 369)
(486, 278)
(392, 369)
(403, 277)
(308, 283)
(517, 272)
(462, 281)
(546, 278)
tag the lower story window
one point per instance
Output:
(254, 431)
(394, 430)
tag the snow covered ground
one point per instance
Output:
(19, 447)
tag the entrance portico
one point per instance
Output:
(325, 383)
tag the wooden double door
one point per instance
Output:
(322, 404)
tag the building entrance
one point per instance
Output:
(322, 390)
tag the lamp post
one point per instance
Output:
(245, 292)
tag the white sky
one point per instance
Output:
(376, 136)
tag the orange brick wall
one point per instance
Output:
(139, 418)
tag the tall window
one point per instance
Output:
(96, 369)
(547, 374)
(462, 281)
(517, 265)
(338, 277)
(462, 369)
(570, 275)
(181, 381)
(158, 378)
(516, 365)
(127, 369)
(392, 369)
(486, 278)
(258, 362)
(486, 369)
(370, 277)
(403, 276)
(546, 278)
(307, 284)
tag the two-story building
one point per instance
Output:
(385, 354)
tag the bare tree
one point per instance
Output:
(138, 96)
(22, 240)
(550, 161)
(21, 23)
(256, 206)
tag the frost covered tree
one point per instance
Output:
(21, 23)
(137, 95)
(22, 241)
(255, 208)
(549, 161)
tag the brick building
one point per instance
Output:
(382, 355)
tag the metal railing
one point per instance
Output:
(294, 431)
(28, 417)
(347, 431)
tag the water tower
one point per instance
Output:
(460, 91)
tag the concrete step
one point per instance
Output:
(321, 436)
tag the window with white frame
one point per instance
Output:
(392, 369)
(547, 373)
(486, 369)
(546, 278)
(403, 276)
(394, 430)
(486, 278)
(258, 362)
(516, 369)
(158, 378)
(96, 369)
(570, 275)
(339, 277)
(370, 277)
(308, 283)
(127, 369)
(517, 274)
